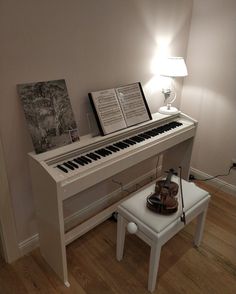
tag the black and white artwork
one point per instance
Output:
(49, 114)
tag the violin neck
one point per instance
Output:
(168, 178)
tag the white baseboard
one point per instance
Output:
(29, 244)
(218, 183)
(33, 242)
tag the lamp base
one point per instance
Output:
(166, 110)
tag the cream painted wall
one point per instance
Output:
(209, 90)
(93, 45)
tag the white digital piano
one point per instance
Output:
(64, 172)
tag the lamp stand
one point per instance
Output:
(168, 110)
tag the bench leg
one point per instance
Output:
(153, 265)
(121, 230)
(200, 227)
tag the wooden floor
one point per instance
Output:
(183, 268)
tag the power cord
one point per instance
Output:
(211, 178)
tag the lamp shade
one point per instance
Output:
(174, 67)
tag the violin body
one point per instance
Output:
(164, 200)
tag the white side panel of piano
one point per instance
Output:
(50, 219)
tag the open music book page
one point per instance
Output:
(119, 108)
(133, 104)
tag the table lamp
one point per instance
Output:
(172, 67)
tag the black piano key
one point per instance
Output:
(112, 148)
(124, 144)
(68, 165)
(156, 131)
(161, 130)
(107, 150)
(145, 136)
(121, 145)
(79, 161)
(118, 145)
(140, 139)
(86, 159)
(73, 164)
(151, 133)
(130, 142)
(93, 156)
(101, 152)
(62, 168)
(137, 139)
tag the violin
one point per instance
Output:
(164, 200)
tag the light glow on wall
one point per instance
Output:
(157, 82)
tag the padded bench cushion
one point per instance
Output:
(136, 205)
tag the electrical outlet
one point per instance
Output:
(233, 163)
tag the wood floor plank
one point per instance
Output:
(93, 267)
(10, 283)
(33, 277)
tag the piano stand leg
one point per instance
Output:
(67, 284)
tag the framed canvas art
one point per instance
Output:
(49, 114)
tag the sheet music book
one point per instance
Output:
(118, 108)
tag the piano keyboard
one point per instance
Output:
(91, 158)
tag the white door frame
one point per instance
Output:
(8, 236)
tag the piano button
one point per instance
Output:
(68, 165)
(86, 159)
(62, 168)
(73, 164)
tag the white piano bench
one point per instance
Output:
(156, 229)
